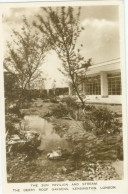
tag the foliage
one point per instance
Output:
(105, 147)
(10, 127)
(54, 100)
(25, 53)
(62, 91)
(71, 102)
(101, 120)
(59, 130)
(14, 109)
(10, 86)
(62, 28)
(60, 111)
(66, 108)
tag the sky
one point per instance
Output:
(100, 39)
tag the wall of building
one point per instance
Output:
(110, 83)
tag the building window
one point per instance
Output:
(114, 84)
(92, 86)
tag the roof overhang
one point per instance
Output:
(113, 65)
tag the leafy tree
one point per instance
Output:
(62, 28)
(24, 56)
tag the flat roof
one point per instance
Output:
(107, 66)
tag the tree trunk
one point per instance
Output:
(77, 92)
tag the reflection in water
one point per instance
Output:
(49, 138)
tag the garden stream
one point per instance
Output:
(50, 139)
(50, 142)
(68, 167)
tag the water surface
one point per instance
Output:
(50, 139)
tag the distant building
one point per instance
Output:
(103, 84)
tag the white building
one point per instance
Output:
(104, 83)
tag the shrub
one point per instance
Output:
(10, 127)
(60, 111)
(54, 100)
(14, 109)
(101, 120)
(71, 102)
(99, 148)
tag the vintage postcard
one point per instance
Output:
(63, 97)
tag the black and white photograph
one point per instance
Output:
(62, 72)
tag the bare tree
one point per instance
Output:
(25, 54)
(62, 27)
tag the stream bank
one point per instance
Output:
(87, 157)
